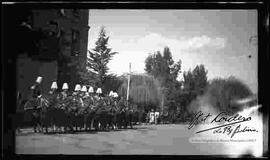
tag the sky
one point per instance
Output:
(218, 39)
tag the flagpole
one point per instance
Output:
(128, 81)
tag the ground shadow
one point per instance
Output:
(93, 131)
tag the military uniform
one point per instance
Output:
(33, 105)
(33, 102)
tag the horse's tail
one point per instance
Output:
(28, 105)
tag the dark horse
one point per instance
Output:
(124, 119)
(33, 107)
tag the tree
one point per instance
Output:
(195, 83)
(166, 71)
(220, 96)
(223, 92)
(163, 67)
(99, 58)
(200, 79)
(112, 83)
(144, 92)
(86, 76)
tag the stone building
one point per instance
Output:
(52, 44)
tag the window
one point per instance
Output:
(75, 46)
(76, 13)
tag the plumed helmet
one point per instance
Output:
(39, 79)
(91, 90)
(65, 86)
(77, 87)
(115, 95)
(99, 91)
(84, 89)
(54, 85)
(111, 94)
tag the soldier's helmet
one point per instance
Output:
(65, 86)
(54, 85)
(39, 79)
(84, 89)
(115, 95)
(99, 91)
(91, 90)
(77, 87)
(111, 94)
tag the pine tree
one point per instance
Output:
(86, 76)
(99, 58)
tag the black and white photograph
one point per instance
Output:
(137, 82)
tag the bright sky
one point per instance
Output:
(219, 39)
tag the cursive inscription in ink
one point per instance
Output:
(228, 127)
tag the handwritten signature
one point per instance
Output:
(229, 130)
(222, 117)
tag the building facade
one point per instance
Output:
(54, 46)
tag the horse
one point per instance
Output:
(35, 107)
(45, 119)
(66, 115)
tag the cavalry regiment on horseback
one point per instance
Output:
(79, 110)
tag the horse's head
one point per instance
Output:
(44, 103)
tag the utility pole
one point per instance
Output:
(128, 81)
(128, 87)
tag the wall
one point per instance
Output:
(55, 55)
(28, 70)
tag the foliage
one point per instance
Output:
(86, 77)
(223, 92)
(94, 71)
(166, 71)
(195, 83)
(220, 96)
(111, 83)
(144, 90)
(99, 58)
(196, 80)
(163, 67)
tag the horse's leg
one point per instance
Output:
(131, 119)
(92, 123)
(71, 123)
(34, 122)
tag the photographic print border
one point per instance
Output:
(9, 62)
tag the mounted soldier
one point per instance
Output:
(120, 115)
(113, 103)
(90, 103)
(76, 104)
(48, 107)
(64, 93)
(83, 94)
(66, 107)
(36, 88)
(58, 107)
(32, 106)
(100, 116)
(82, 108)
